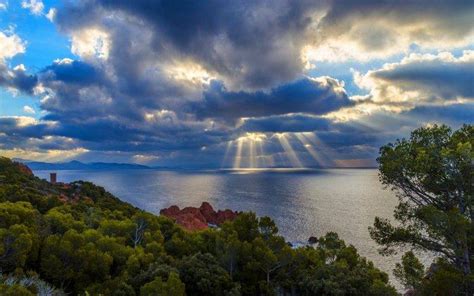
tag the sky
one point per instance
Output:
(229, 84)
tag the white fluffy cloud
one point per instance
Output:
(28, 109)
(51, 14)
(10, 45)
(91, 43)
(34, 6)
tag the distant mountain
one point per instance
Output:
(77, 165)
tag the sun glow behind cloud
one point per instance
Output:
(189, 72)
(91, 43)
(296, 150)
(53, 155)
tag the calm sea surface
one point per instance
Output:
(302, 202)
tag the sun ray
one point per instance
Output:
(261, 159)
(249, 143)
(307, 145)
(238, 154)
(226, 155)
(251, 148)
(327, 152)
(290, 152)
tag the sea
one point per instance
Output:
(302, 202)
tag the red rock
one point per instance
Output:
(195, 212)
(170, 212)
(208, 212)
(225, 215)
(192, 218)
(189, 222)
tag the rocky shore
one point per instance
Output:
(192, 218)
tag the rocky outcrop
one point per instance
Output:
(24, 169)
(192, 218)
(208, 212)
(225, 215)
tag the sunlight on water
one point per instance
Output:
(296, 150)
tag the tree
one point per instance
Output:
(338, 269)
(19, 237)
(267, 227)
(16, 245)
(228, 250)
(172, 287)
(432, 174)
(203, 276)
(71, 261)
(410, 273)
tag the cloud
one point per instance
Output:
(91, 42)
(72, 72)
(17, 79)
(286, 123)
(28, 109)
(34, 6)
(309, 95)
(422, 79)
(168, 78)
(3, 5)
(223, 37)
(10, 46)
(50, 155)
(51, 14)
(370, 29)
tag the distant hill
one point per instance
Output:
(77, 165)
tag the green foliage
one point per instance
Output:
(433, 175)
(203, 275)
(410, 272)
(86, 241)
(339, 270)
(172, 287)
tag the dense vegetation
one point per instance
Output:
(433, 174)
(80, 239)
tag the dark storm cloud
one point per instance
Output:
(455, 14)
(286, 123)
(444, 78)
(73, 72)
(107, 134)
(453, 115)
(250, 43)
(17, 79)
(314, 96)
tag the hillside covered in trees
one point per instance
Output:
(79, 239)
